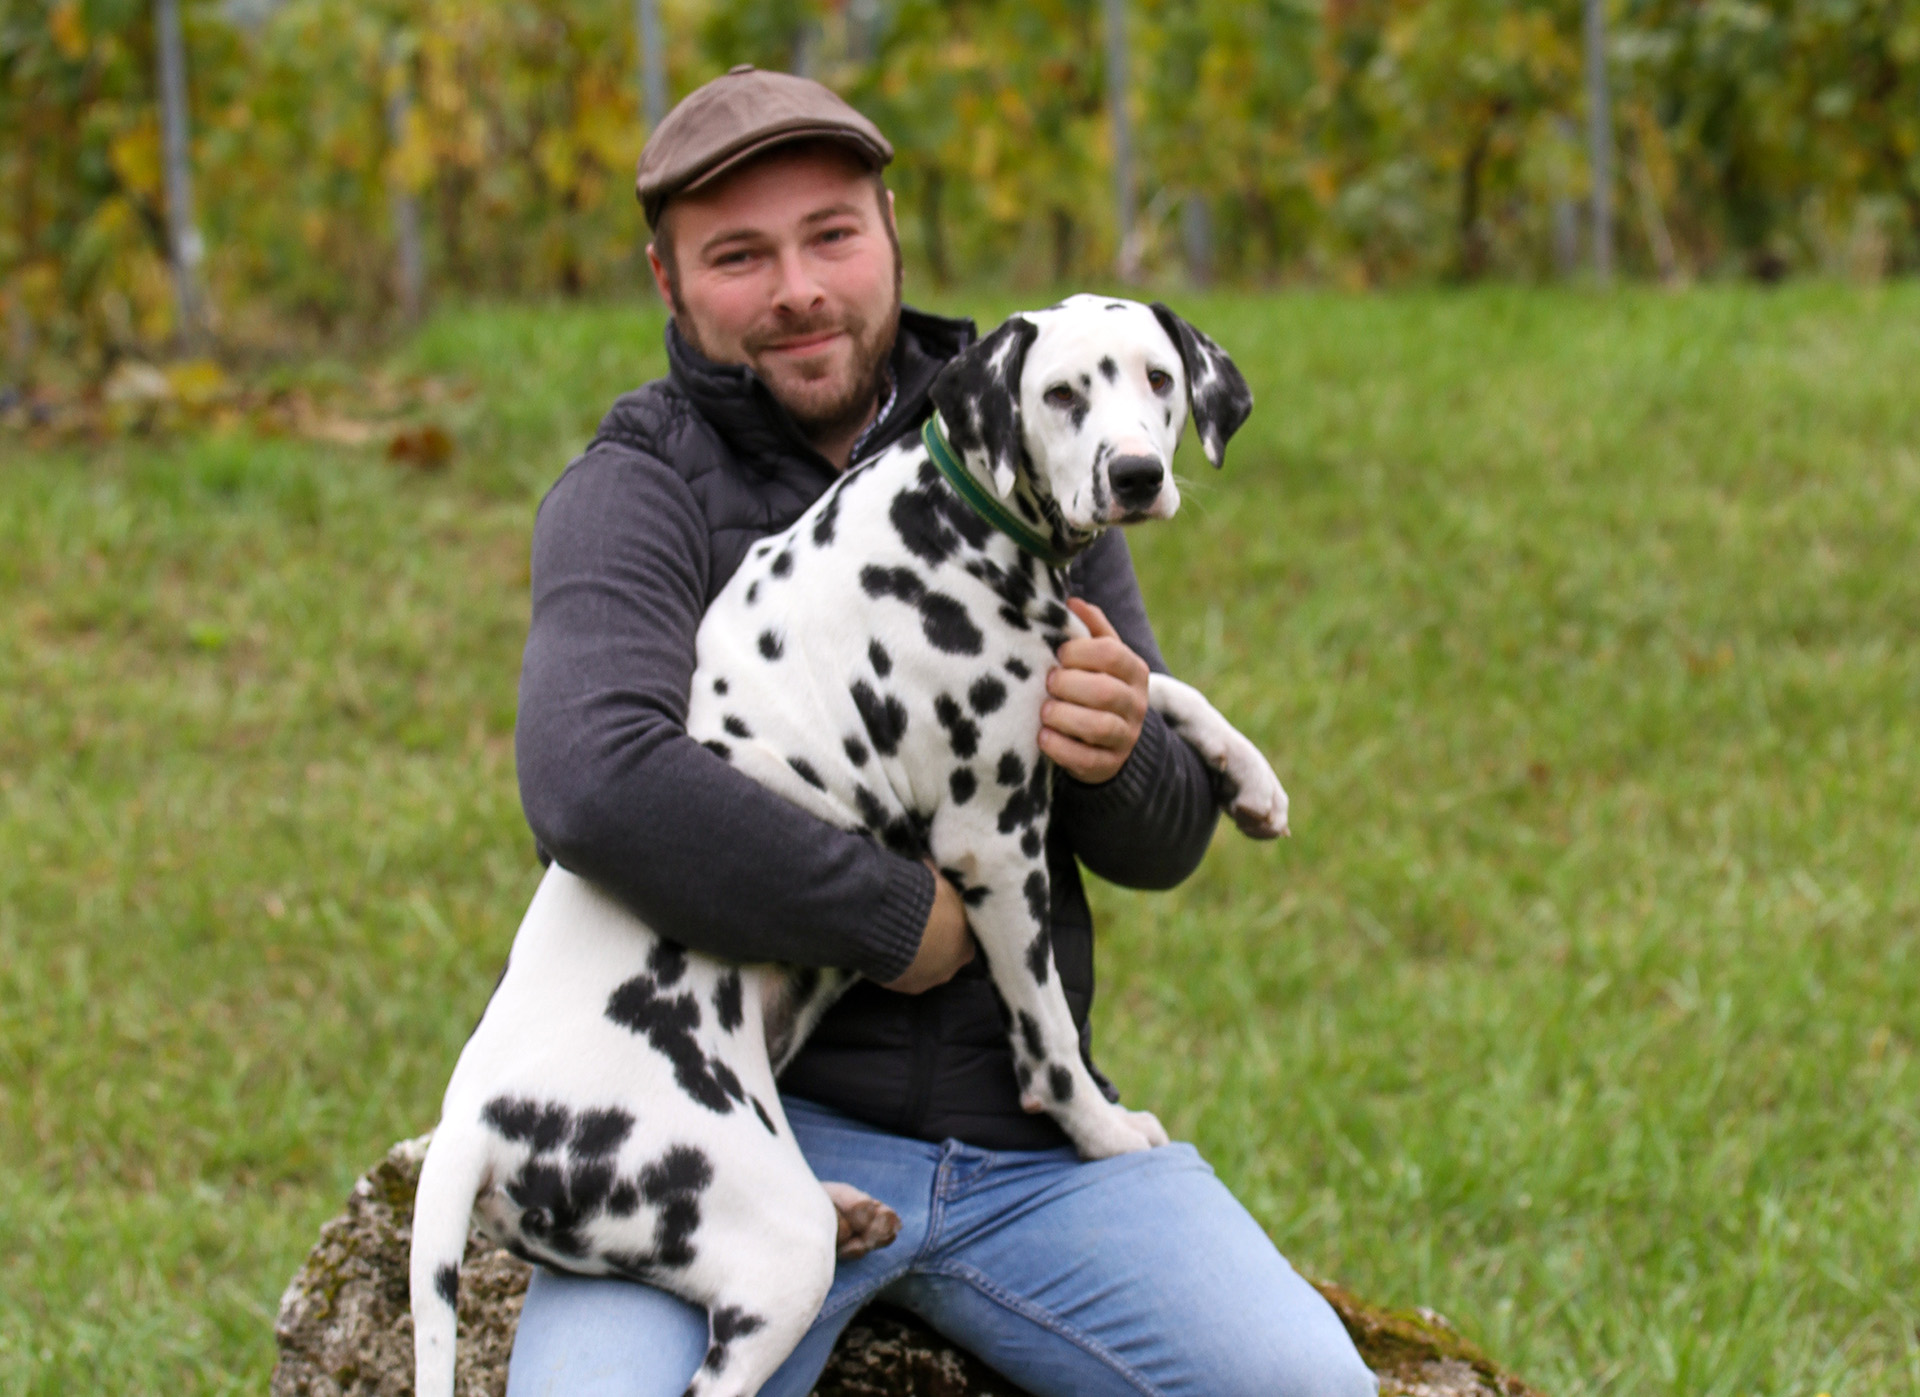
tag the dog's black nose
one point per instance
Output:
(1136, 480)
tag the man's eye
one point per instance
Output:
(1159, 380)
(1060, 395)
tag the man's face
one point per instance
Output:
(788, 265)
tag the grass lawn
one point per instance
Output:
(1584, 1005)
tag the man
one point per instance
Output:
(791, 357)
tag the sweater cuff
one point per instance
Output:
(1129, 786)
(892, 938)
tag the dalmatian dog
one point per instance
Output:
(882, 664)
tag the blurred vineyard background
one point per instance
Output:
(351, 157)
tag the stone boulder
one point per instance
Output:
(345, 1329)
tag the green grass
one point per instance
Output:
(1584, 1004)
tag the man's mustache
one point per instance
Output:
(791, 330)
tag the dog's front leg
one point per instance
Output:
(1009, 908)
(1255, 798)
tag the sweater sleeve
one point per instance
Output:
(616, 791)
(1149, 826)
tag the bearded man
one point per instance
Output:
(791, 358)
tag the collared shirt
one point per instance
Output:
(886, 406)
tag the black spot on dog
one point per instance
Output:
(525, 1122)
(728, 1010)
(599, 1132)
(729, 1322)
(986, 695)
(720, 687)
(1079, 417)
(1011, 771)
(737, 725)
(903, 584)
(1035, 890)
(878, 657)
(669, 1026)
(753, 591)
(781, 565)
(824, 525)
(1040, 957)
(947, 625)
(1014, 618)
(1053, 616)
(1109, 370)
(961, 785)
(446, 1283)
(905, 835)
(1116, 305)
(885, 718)
(1025, 1075)
(668, 961)
(1018, 669)
(1169, 417)
(772, 647)
(1030, 843)
(624, 1201)
(804, 769)
(1061, 1081)
(962, 732)
(718, 748)
(1030, 1035)
(855, 749)
(917, 518)
(1026, 804)
(674, 1184)
(765, 1119)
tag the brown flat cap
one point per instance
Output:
(730, 120)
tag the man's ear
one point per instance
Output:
(1216, 393)
(978, 395)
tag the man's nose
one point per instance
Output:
(797, 289)
(1136, 479)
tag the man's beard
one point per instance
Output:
(825, 412)
(872, 347)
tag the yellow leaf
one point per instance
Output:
(198, 382)
(69, 30)
(135, 157)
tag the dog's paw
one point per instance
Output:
(864, 1224)
(1113, 1130)
(1259, 802)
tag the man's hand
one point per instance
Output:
(945, 945)
(1097, 699)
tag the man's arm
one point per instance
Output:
(1147, 826)
(617, 792)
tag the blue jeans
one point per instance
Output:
(1136, 1275)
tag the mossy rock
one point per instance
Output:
(345, 1329)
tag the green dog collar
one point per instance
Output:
(1030, 539)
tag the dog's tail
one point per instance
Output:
(442, 1212)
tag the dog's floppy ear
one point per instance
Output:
(1217, 394)
(978, 395)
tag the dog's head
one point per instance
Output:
(1084, 402)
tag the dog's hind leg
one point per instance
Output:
(774, 1268)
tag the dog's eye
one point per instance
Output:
(1159, 380)
(1060, 395)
